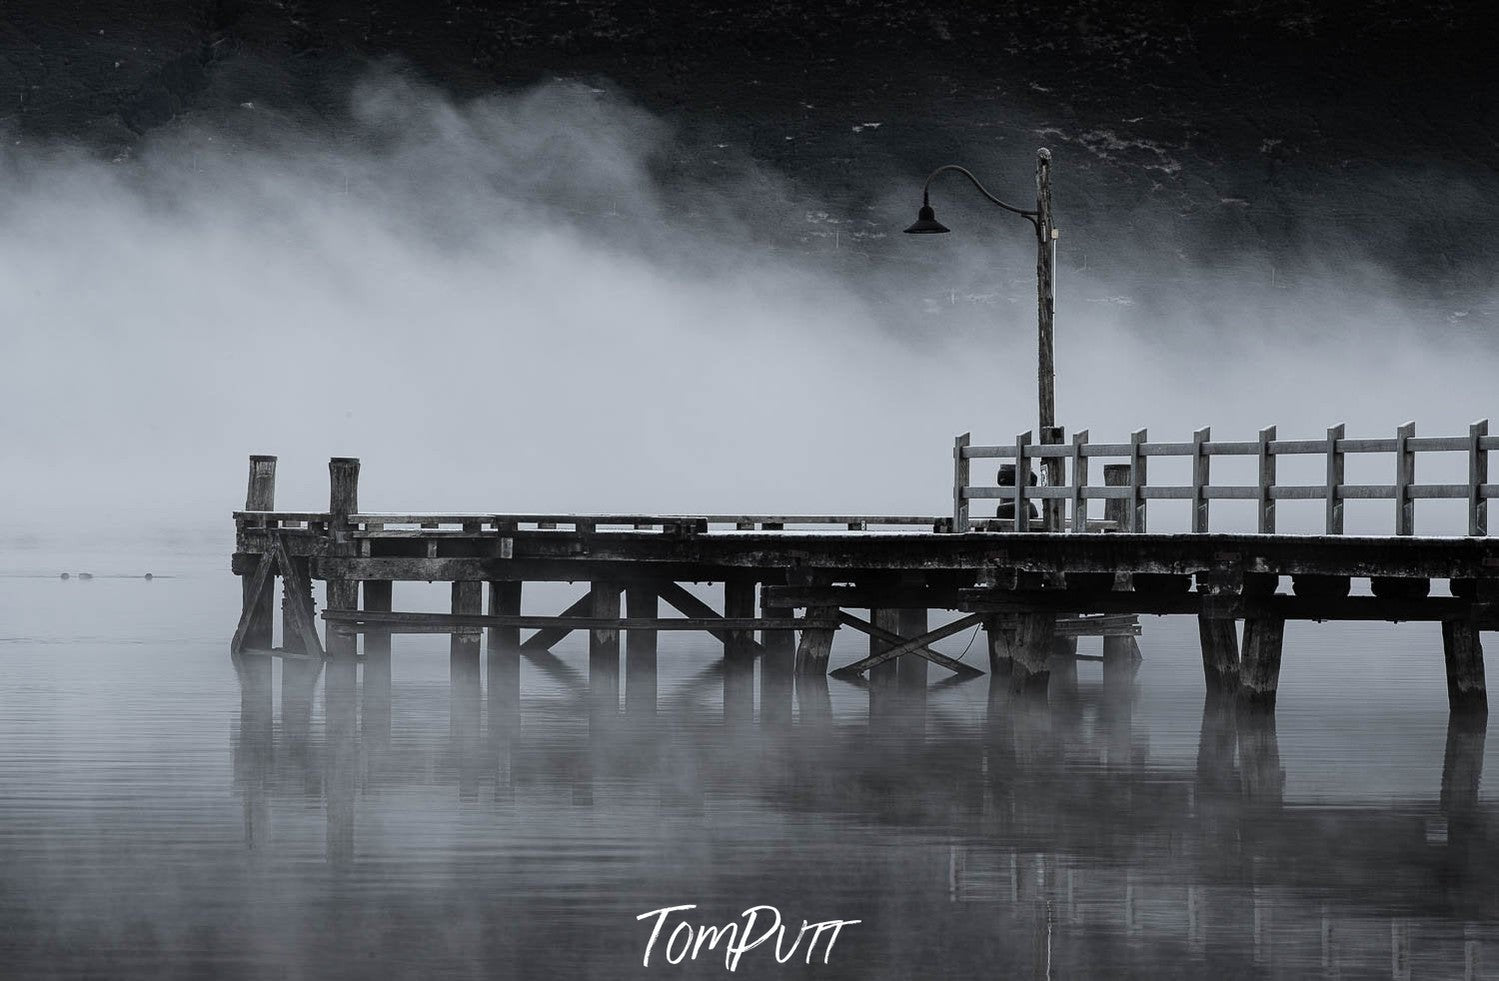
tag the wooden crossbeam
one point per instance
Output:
(298, 597)
(690, 606)
(1280, 606)
(258, 586)
(912, 645)
(361, 620)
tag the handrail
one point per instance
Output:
(1127, 488)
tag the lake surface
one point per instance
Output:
(167, 813)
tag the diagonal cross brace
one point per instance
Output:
(298, 600)
(912, 645)
(689, 605)
(257, 586)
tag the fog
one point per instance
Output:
(537, 302)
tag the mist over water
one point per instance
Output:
(553, 300)
(540, 301)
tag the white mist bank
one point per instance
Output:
(497, 306)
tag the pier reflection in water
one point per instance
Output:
(1029, 838)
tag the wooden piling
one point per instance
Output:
(998, 631)
(376, 691)
(463, 647)
(640, 652)
(343, 594)
(1463, 654)
(1121, 661)
(1259, 664)
(505, 600)
(1030, 654)
(911, 671)
(1220, 654)
(603, 645)
(777, 666)
(739, 601)
(885, 675)
(816, 642)
(260, 495)
(1462, 763)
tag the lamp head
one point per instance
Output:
(926, 221)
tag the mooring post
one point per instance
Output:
(1137, 481)
(343, 594)
(1463, 653)
(960, 481)
(1335, 476)
(603, 646)
(259, 496)
(1079, 482)
(640, 652)
(1259, 663)
(1478, 476)
(1201, 478)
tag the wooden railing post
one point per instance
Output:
(1405, 475)
(1079, 482)
(1137, 479)
(1335, 480)
(960, 481)
(1116, 509)
(1201, 471)
(1022, 482)
(1053, 509)
(1267, 481)
(1478, 476)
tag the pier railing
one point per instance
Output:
(1127, 491)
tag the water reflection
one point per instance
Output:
(1040, 834)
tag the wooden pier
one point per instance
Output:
(1041, 573)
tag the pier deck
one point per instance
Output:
(790, 581)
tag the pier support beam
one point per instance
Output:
(816, 643)
(463, 647)
(375, 701)
(999, 633)
(1464, 656)
(603, 646)
(1121, 661)
(776, 668)
(911, 672)
(1259, 666)
(260, 495)
(1030, 647)
(504, 600)
(1220, 654)
(640, 652)
(343, 594)
(739, 653)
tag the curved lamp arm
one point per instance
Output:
(1034, 217)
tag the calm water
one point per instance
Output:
(163, 814)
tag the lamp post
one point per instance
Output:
(1046, 234)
